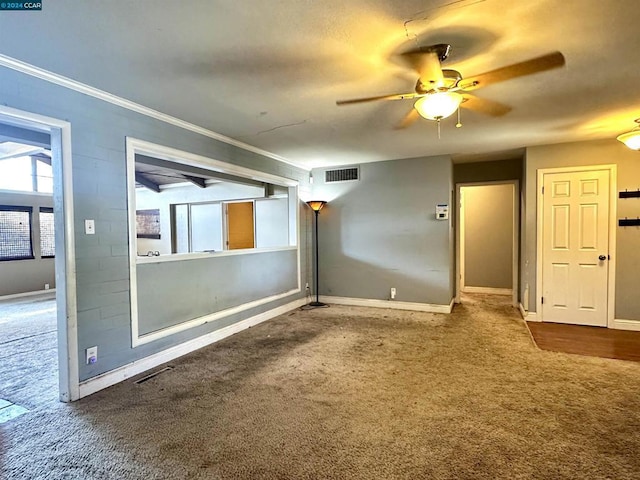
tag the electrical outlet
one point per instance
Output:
(393, 293)
(46, 286)
(90, 227)
(92, 355)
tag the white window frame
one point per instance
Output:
(135, 146)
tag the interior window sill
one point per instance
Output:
(178, 257)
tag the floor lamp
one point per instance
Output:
(316, 206)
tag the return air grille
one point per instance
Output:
(153, 375)
(342, 175)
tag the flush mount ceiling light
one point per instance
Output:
(632, 139)
(437, 106)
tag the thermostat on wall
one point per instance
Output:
(442, 211)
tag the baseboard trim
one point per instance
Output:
(368, 302)
(132, 369)
(523, 312)
(27, 294)
(622, 324)
(488, 290)
(528, 316)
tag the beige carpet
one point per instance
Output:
(351, 393)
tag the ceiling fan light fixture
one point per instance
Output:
(632, 139)
(436, 106)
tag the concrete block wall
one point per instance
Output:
(98, 132)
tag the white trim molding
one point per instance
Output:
(177, 257)
(460, 286)
(134, 368)
(135, 146)
(27, 294)
(622, 324)
(488, 290)
(370, 302)
(180, 327)
(85, 89)
(528, 316)
(65, 260)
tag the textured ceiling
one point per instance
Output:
(269, 73)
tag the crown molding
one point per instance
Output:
(80, 87)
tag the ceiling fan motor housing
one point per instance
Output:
(451, 79)
(441, 50)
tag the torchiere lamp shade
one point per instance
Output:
(316, 205)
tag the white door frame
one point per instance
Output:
(67, 319)
(460, 234)
(611, 279)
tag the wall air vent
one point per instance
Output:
(349, 174)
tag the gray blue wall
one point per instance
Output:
(98, 131)
(247, 277)
(380, 232)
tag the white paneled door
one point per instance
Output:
(575, 247)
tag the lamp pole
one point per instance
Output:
(316, 206)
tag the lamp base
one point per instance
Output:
(317, 304)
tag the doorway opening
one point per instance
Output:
(37, 301)
(487, 240)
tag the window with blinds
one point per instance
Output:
(15, 233)
(47, 235)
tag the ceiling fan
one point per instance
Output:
(441, 92)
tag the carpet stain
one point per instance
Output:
(351, 393)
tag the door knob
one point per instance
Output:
(602, 257)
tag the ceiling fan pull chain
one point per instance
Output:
(459, 124)
(438, 122)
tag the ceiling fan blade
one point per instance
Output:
(482, 105)
(427, 64)
(409, 119)
(394, 96)
(528, 67)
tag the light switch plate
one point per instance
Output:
(90, 227)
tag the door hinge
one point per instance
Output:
(542, 190)
(542, 299)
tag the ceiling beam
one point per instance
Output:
(197, 171)
(43, 157)
(200, 182)
(27, 153)
(145, 182)
(23, 135)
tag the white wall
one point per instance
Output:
(147, 199)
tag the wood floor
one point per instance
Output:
(591, 341)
